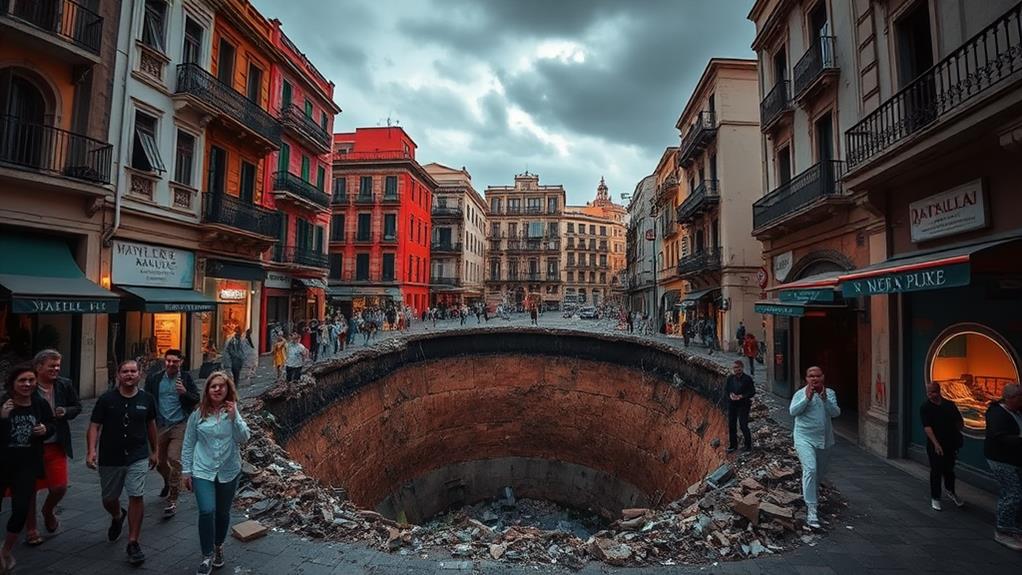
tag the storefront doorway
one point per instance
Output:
(829, 339)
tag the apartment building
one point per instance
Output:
(594, 249)
(458, 243)
(640, 239)
(668, 193)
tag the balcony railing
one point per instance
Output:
(300, 256)
(445, 281)
(447, 212)
(445, 247)
(819, 181)
(232, 212)
(698, 136)
(699, 262)
(775, 104)
(534, 245)
(42, 148)
(288, 182)
(819, 59)
(294, 118)
(706, 194)
(192, 80)
(68, 20)
(343, 156)
(974, 68)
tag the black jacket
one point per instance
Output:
(43, 414)
(741, 385)
(189, 399)
(1002, 443)
(65, 395)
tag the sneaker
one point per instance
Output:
(218, 556)
(1008, 541)
(170, 510)
(935, 504)
(206, 567)
(116, 523)
(135, 555)
(955, 499)
(812, 520)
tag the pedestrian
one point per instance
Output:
(630, 321)
(176, 396)
(463, 313)
(686, 331)
(26, 421)
(942, 423)
(313, 346)
(750, 347)
(295, 356)
(813, 407)
(711, 335)
(342, 333)
(326, 338)
(740, 389)
(740, 337)
(279, 355)
(251, 363)
(352, 328)
(121, 442)
(234, 354)
(534, 315)
(59, 392)
(211, 461)
(1003, 450)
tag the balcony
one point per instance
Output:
(807, 198)
(229, 214)
(363, 198)
(445, 281)
(775, 109)
(290, 188)
(445, 247)
(668, 227)
(61, 27)
(445, 212)
(44, 149)
(298, 256)
(294, 120)
(698, 136)
(815, 68)
(343, 156)
(986, 64)
(534, 245)
(705, 261)
(702, 199)
(198, 87)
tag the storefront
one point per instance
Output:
(349, 300)
(698, 306)
(310, 294)
(236, 287)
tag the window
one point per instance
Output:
(284, 157)
(323, 121)
(592, 229)
(571, 276)
(914, 44)
(365, 188)
(308, 108)
(535, 229)
(303, 234)
(495, 205)
(365, 227)
(337, 227)
(389, 226)
(408, 274)
(336, 265)
(306, 166)
(494, 229)
(603, 277)
(145, 154)
(603, 260)
(784, 165)
(225, 63)
(340, 189)
(184, 159)
(246, 192)
(603, 231)
(571, 227)
(390, 187)
(154, 24)
(191, 51)
(361, 267)
(285, 94)
(551, 205)
(388, 267)
(217, 170)
(255, 83)
(534, 205)
(320, 177)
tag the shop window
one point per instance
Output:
(972, 364)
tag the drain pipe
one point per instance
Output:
(109, 234)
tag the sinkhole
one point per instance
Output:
(595, 423)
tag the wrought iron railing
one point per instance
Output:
(706, 260)
(54, 151)
(819, 181)
(288, 182)
(343, 156)
(446, 212)
(445, 246)
(194, 81)
(697, 135)
(300, 256)
(707, 192)
(819, 58)
(64, 18)
(988, 58)
(445, 281)
(230, 211)
(776, 102)
(295, 118)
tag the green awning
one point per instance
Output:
(39, 275)
(786, 309)
(156, 300)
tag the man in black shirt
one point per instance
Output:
(124, 423)
(943, 424)
(740, 389)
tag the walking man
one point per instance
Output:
(942, 423)
(740, 336)
(750, 347)
(176, 396)
(1003, 450)
(234, 354)
(813, 407)
(740, 389)
(121, 442)
(295, 356)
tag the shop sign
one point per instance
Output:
(232, 294)
(957, 210)
(180, 307)
(63, 305)
(782, 265)
(807, 295)
(908, 281)
(277, 280)
(137, 264)
(780, 309)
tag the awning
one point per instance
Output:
(310, 283)
(38, 275)
(937, 269)
(231, 270)
(348, 292)
(692, 298)
(815, 288)
(792, 309)
(155, 300)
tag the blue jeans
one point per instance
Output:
(1009, 500)
(214, 501)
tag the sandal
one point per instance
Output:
(32, 538)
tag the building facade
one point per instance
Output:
(668, 193)
(640, 237)
(381, 222)
(458, 242)
(594, 250)
(525, 251)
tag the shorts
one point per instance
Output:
(55, 465)
(130, 478)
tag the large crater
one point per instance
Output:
(599, 423)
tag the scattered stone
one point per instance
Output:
(751, 484)
(748, 507)
(628, 514)
(720, 476)
(497, 550)
(249, 530)
(610, 551)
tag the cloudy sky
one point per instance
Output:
(569, 89)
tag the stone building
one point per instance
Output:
(458, 242)
(593, 237)
(640, 251)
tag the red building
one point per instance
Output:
(298, 178)
(380, 228)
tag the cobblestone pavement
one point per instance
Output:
(888, 528)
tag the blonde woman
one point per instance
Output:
(211, 463)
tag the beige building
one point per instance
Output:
(594, 250)
(524, 247)
(458, 244)
(720, 176)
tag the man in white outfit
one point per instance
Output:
(813, 407)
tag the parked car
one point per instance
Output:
(588, 312)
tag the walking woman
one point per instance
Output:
(211, 464)
(26, 420)
(280, 355)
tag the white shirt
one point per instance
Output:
(295, 354)
(812, 418)
(210, 449)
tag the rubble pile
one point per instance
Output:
(750, 506)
